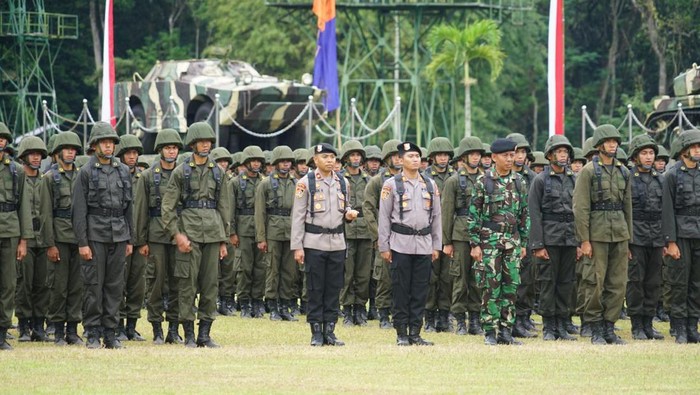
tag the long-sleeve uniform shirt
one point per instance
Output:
(243, 214)
(33, 189)
(357, 184)
(681, 205)
(148, 193)
(15, 206)
(273, 208)
(57, 186)
(456, 198)
(550, 203)
(647, 192)
(370, 205)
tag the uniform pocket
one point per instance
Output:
(89, 272)
(150, 266)
(182, 265)
(320, 203)
(237, 258)
(427, 200)
(456, 265)
(406, 203)
(341, 202)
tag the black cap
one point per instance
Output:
(324, 148)
(503, 145)
(408, 147)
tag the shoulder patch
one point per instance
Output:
(301, 187)
(386, 192)
(138, 175)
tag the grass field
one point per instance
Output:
(260, 356)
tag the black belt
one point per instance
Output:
(36, 224)
(311, 228)
(564, 217)
(106, 212)
(606, 206)
(462, 212)
(7, 207)
(407, 230)
(245, 211)
(498, 227)
(689, 211)
(646, 216)
(154, 212)
(210, 204)
(62, 213)
(283, 212)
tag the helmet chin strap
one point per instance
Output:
(441, 165)
(168, 160)
(486, 166)
(355, 165)
(608, 154)
(646, 167)
(519, 164)
(202, 154)
(476, 166)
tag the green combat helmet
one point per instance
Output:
(128, 142)
(675, 148)
(280, 153)
(373, 152)
(236, 160)
(578, 155)
(520, 141)
(32, 144)
(487, 149)
(300, 155)
(423, 153)
(252, 152)
(440, 145)
(390, 148)
(199, 131)
(662, 153)
(352, 146)
(469, 144)
(103, 131)
(5, 132)
(66, 139)
(605, 132)
(554, 142)
(220, 153)
(540, 160)
(50, 145)
(621, 155)
(640, 142)
(168, 137)
(267, 157)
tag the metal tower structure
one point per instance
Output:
(378, 62)
(26, 61)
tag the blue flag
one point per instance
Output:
(326, 62)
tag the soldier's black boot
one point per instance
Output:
(157, 333)
(25, 333)
(519, 329)
(692, 328)
(505, 336)
(110, 340)
(49, 329)
(461, 324)
(384, 322)
(597, 329)
(649, 330)
(562, 333)
(490, 338)
(415, 339)
(303, 306)
(475, 323)
(372, 313)
(38, 334)
(609, 334)
(360, 314)
(72, 337)
(284, 311)
(429, 321)
(173, 337)
(4, 345)
(661, 314)
(257, 308)
(316, 335)
(221, 306)
(131, 332)
(294, 308)
(529, 323)
(204, 338)
(571, 328)
(188, 326)
(442, 321)
(586, 330)
(274, 311)
(329, 335)
(121, 332)
(59, 334)
(93, 338)
(402, 336)
(638, 332)
(347, 316)
(549, 331)
(245, 308)
(232, 306)
(680, 330)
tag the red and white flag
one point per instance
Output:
(107, 109)
(555, 67)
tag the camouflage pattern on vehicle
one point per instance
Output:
(260, 103)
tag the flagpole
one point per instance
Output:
(337, 127)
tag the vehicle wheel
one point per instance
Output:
(148, 140)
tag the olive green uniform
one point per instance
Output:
(527, 291)
(134, 274)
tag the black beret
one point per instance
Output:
(324, 148)
(407, 147)
(503, 145)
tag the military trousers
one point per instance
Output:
(466, 295)
(227, 272)
(358, 266)
(324, 278)
(32, 293)
(198, 271)
(282, 271)
(498, 276)
(410, 280)
(382, 275)
(65, 283)
(609, 275)
(644, 280)
(103, 279)
(556, 277)
(162, 285)
(583, 285)
(134, 286)
(683, 278)
(251, 265)
(8, 279)
(440, 289)
(527, 290)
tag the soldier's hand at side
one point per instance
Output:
(523, 252)
(629, 254)
(476, 254)
(386, 255)
(144, 250)
(85, 253)
(21, 249)
(183, 243)
(53, 254)
(672, 250)
(587, 249)
(235, 241)
(299, 256)
(262, 246)
(351, 214)
(579, 253)
(448, 250)
(436, 255)
(541, 253)
(129, 249)
(222, 251)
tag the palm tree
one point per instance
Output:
(454, 48)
